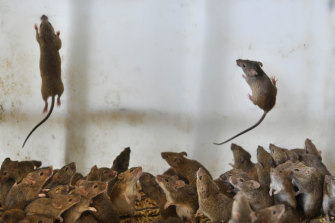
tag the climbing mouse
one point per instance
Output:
(50, 67)
(264, 90)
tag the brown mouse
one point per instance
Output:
(281, 188)
(63, 176)
(310, 185)
(328, 202)
(310, 148)
(242, 161)
(124, 192)
(185, 168)
(17, 170)
(52, 207)
(105, 210)
(151, 189)
(281, 155)
(225, 187)
(213, 204)
(265, 162)
(57, 190)
(241, 210)
(257, 195)
(25, 191)
(268, 215)
(12, 216)
(121, 162)
(75, 178)
(87, 190)
(36, 219)
(179, 194)
(50, 67)
(264, 90)
(103, 174)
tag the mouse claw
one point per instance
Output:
(41, 195)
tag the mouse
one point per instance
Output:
(309, 183)
(241, 210)
(281, 188)
(265, 162)
(28, 189)
(281, 155)
(225, 187)
(310, 148)
(185, 168)
(124, 192)
(264, 90)
(106, 211)
(75, 178)
(328, 201)
(270, 214)
(87, 190)
(242, 160)
(12, 216)
(152, 190)
(17, 170)
(62, 176)
(101, 174)
(179, 194)
(257, 194)
(213, 204)
(50, 67)
(36, 219)
(52, 207)
(121, 162)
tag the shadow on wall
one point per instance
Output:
(77, 82)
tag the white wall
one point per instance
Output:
(161, 75)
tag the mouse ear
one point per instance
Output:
(260, 165)
(183, 153)
(56, 204)
(81, 191)
(179, 184)
(253, 72)
(260, 63)
(254, 184)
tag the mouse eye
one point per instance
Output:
(280, 171)
(296, 169)
(166, 180)
(131, 170)
(70, 200)
(40, 222)
(66, 168)
(95, 186)
(41, 173)
(4, 173)
(241, 180)
(200, 177)
(274, 212)
(243, 65)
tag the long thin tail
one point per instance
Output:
(247, 130)
(41, 122)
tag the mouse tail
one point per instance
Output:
(247, 130)
(41, 122)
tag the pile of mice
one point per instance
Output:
(283, 186)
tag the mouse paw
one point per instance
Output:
(167, 205)
(274, 81)
(36, 28)
(58, 102)
(92, 209)
(127, 199)
(139, 197)
(58, 33)
(42, 195)
(243, 75)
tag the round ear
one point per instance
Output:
(260, 165)
(253, 72)
(179, 184)
(79, 182)
(94, 168)
(56, 204)
(254, 184)
(177, 160)
(183, 153)
(260, 63)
